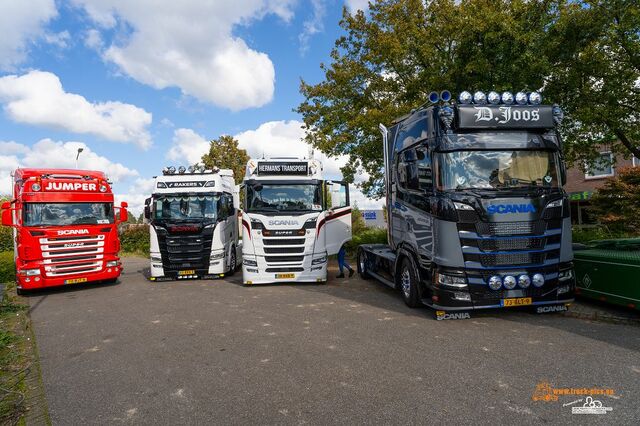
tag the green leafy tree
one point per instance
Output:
(225, 153)
(582, 55)
(617, 203)
(358, 224)
(597, 77)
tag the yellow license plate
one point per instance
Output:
(284, 276)
(518, 301)
(187, 272)
(75, 281)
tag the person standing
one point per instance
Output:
(342, 263)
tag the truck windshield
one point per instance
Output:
(61, 214)
(497, 169)
(285, 197)
(186, 207)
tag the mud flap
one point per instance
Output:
(458, 315)
(550, 309)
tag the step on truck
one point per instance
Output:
(477, 216)
(65, 228)
(292, 221)
(193, 224)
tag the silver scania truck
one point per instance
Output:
(477, 215)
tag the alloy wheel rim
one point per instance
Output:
(406, 282)
(361, 260)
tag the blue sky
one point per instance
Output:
(143, 84)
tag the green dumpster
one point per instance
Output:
(609, 270)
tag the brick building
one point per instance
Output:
(582, 183)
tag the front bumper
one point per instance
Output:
(255, 275)
(44, 281)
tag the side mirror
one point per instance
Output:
(147, 212)
(124, 214)
(7, 216)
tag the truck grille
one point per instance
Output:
(185, 251)
(283, 242)
(72, 255)
(511, 259)
(283, 250)
(283, 259)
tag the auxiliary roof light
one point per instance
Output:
(445, 95)
(480, 97)
(165, 171)
(181, 170)
(535, 98)
(171, 170)
(465, 97)
(35, 187)
(192, 169)
(507, 98)
(521, 98)
(493, 98)
(434, 97)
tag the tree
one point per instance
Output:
(224, 153)
(617, 203)
(597, 77)
(390, 59)
(358, 225)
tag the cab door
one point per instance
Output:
(338, 218)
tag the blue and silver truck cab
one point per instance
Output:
(477, 217)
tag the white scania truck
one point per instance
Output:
(292, 220)
(193, 223)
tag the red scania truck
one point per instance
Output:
(64, 228)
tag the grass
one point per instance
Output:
(16, 357)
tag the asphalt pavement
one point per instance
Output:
(350, 352)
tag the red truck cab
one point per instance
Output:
(65, 228)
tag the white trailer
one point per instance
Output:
(292, 220)
(193, 224)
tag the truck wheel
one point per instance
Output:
(21, 292)
(408, 283)
(233, 264)
(362, 265)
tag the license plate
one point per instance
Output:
(75, 281)
(187, 272)
(284, 276)
(518, 301)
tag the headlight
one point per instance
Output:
(29, 272)
(509, 282)
(249, 262)
(112, 264)
(495, 282)
(319, 260)
(538, 280)
(451, 280)
(524, 281)
(217, 255)
(462, 206)
(565, 275)
(556, 203)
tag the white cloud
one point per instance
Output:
(314, 25)
(22, 23)
(138, 192)
(38, 98)
(93, 39)
(51, 154)
(60, 39)
(188, 147)
(355, 5)
(190, 44)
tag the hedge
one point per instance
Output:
(135, 240)
(367, 236)
(7, 267)
(6, 238)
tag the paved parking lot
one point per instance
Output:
(188, 352)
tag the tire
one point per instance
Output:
(21, 292)
(362, 265)
(408, 284)
(233, 262)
